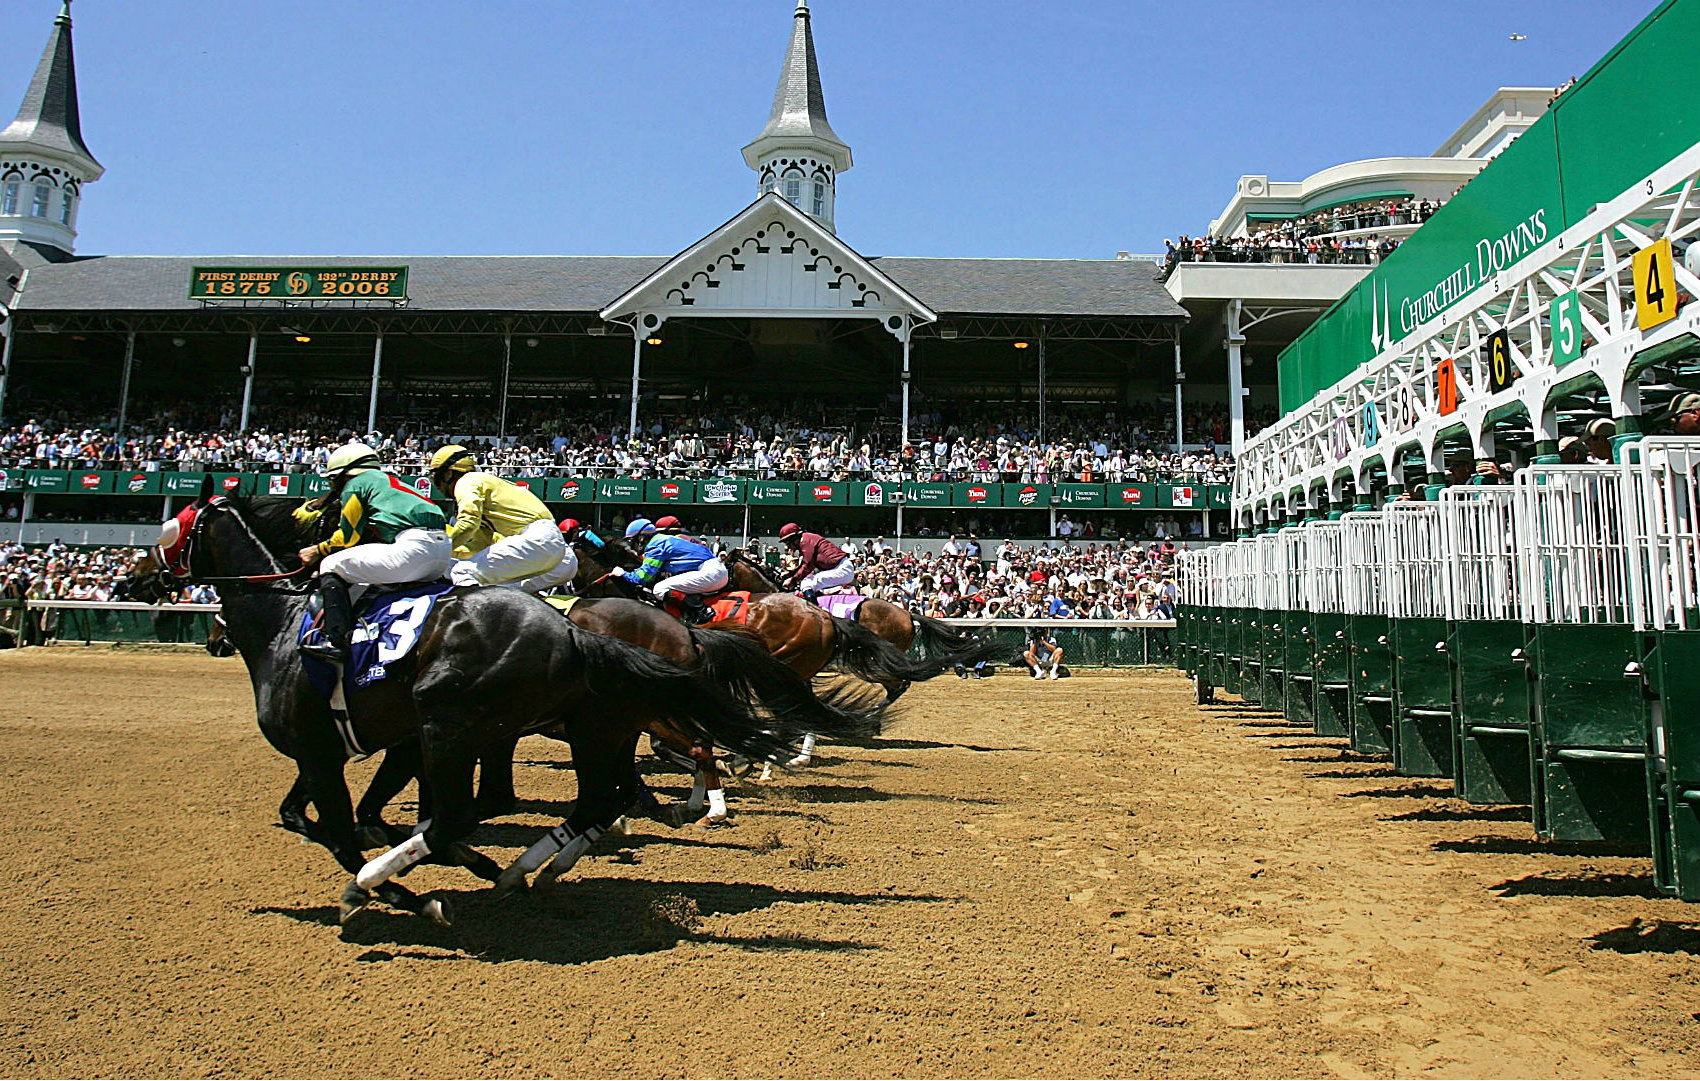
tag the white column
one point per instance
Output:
(1180, 377)
(377, 370)
(637, 368)
(248, 383)
(904, 440)
(1236, 390)
(746, 541)
(507, 363)
(1041, 346)
(124, 387)
(6, 363)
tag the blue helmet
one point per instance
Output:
(639, 526)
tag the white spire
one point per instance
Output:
(798, 154)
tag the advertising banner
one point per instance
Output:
(569, 490)
(977, 495)
(670, 491)
(1075, 494)
(1034, 496)
(720, 490)
(926, 494)
(619, 490)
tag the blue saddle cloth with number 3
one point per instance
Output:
(386, 628)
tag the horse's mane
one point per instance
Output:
(622, 555)
(273, 521)
(737, 555)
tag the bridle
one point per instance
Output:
(175, 563)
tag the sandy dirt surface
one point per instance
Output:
(1090, 877)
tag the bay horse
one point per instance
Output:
(489, 666)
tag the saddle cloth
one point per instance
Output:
(561, 602)
(733, 606)
(843, 605)
(386, 628)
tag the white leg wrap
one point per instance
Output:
(534, 857)
(570, 853)
(698, 792)
(716, 803)
(806, 753)
(381, 869)
(767, 771)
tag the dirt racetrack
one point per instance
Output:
(1080, 878)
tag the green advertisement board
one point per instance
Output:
(48, 480)
(669, 491)
(822, 493)
(716, 491)
(1219, 497)
(925, 494)
(1035, 496)
(278, 484)
(298, 283)
(313, 485)
(11, 480)
(871, 493)
(569, 490)
(89, 482)
(1180, 496)
(976, 495)
(1074, 494)
(1133, 496)
(619, 490)
(771, 491)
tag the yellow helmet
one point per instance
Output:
(452, 457)
(351, 458)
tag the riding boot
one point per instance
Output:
(812, 596)
(336, 621)
(694, 610)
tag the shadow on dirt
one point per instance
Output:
(1658, 936)
(1529, 846)
(1462, 814)
(1579, 885)
(585, 920)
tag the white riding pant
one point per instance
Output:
(705, 579)
(539, 558)
(416, 555)
(842, 575)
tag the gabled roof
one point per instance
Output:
(48, 116)
(799, 106)
(771, 258)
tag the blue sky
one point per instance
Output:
(998, 128)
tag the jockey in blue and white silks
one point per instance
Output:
(677, 566)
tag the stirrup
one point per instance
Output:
(325, 651)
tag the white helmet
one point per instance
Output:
(351, 458)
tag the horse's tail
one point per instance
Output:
(949, 645)
(738, 659)
(708, 699)
(866, 655)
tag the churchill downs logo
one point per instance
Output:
(719, 491)
(1027, 496)
(1492, 255)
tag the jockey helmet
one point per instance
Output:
(453, 457)
(667, 524)
(789, 530)
(570, 527)
(638, 527)
(349, 459)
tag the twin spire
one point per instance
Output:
(797, 154)
(48, 118)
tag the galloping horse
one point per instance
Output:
(489, 666)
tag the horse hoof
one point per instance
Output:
(714, 822)
(509, 881)
(354, 898)
(437, 912)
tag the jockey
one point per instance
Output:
(573, 531)
(511, 536)
(669, 525)
(686, 568)
(389, 534)
(821, 564)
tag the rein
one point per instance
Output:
(187, 574)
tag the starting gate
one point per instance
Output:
(1415, 581)
(1371, 670)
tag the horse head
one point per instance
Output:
(215, 537)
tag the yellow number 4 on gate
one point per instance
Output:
(1655, 285)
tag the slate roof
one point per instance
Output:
(799, 106)
(48, 116)
(573, 283)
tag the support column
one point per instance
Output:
(248, 383)
(637, 367)
(746, 541)
(1042, 418)
(1180, 377)
(900, 528)
(6, 363)
(377, 370)
(1236, 380)
(904, 440)
(124, 386)
(507, 363)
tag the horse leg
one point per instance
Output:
(806, 754)
(399, 766)
(604, 779)
(708, 779)
(446, 782)
(329, 793)
(292, 812)
(496, 796)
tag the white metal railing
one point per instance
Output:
(1394, 401)
(1415, 579)
(1665, 477)
(1295, 556)
(1365, 544)
(1325, 569)
(1478, 529)
(1270, 573)
(1581, 556)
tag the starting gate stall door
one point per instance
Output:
(1192, 602)
(1485, 641)
(1272, 607)
(1236, 590)
(1325, 584)
(1300, 661)
(1251, 623)
(1214, 651)
(1587, 732)
(1416, 583)
(1667, 509)
(1371, 663)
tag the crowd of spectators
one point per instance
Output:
(1309, 238)
(802, 442)
(1036, 581)
(57, 571)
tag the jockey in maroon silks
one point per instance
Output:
(821, 564)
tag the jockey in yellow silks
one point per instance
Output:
(507, 534)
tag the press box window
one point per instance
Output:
(794, 192)
(65, 209)
(39, 206)
(820, 198)
(9, 200)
